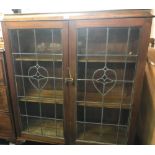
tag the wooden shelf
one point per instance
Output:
(48, 96)
(93, 132)
(111, 100)
(106, 134)
(39, 58)
(59, 58)
(45, 127)
(105, 105)
(111, 59)
(44, 96)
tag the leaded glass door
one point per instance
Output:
(37, 51)
(106, 60)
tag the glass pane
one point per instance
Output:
(96, 43)
(14, 41)
(26, 41)
(48, 110)
(97, 133)
(111, 116)
(34, 125)
(49, 127)
(124, 116)
(48, 40)
(24, 121)
(38, 69)
(22, 107)
(128, 90)
(134, 41)
(122, 136)
(106, 66)
(32, 109)
(130, 71)
(90, 114)
(117, 42)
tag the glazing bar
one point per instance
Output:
(21, 65)
(122, 94)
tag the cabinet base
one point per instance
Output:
(35, 138)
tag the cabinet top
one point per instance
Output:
(79, 15)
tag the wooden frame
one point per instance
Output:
(145, 25)
(7, 129)
(13, 25)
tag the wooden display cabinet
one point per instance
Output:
(76, 78)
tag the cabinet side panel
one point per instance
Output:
(144, 42)
(11, 77)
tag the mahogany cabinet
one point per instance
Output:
(6, 120)
(76, 78)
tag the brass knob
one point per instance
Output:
(69, 79)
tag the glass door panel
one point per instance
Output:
(38, 69)
(106, 65)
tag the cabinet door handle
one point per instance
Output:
(70, 78)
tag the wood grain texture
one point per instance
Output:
(5, 125)
(12, 25)
(34, 24)
(109, 22)
(11, 79)
(38, 138)
(143, 49)
(146, 119)
(56, 97)
(80, 15)
(2, 70)
(45, 58)
(69, 23)
(144, 40)
(3, 99)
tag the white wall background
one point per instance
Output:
(73, 5)
(44, 6)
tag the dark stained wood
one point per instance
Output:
(143, 48)
(108, 135)
(46, 58)
(5, 125)
(2, 71)
(36, 24)
(48, 126)
(47, 96)
(110, 22)
(80, 15)
(82, 142)
(145, 24)
(11, 79)
(146, 119)
(42, 139)
(65, 92)
(12, 25)
(3, 99)
(69, 23)
(72, 86)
